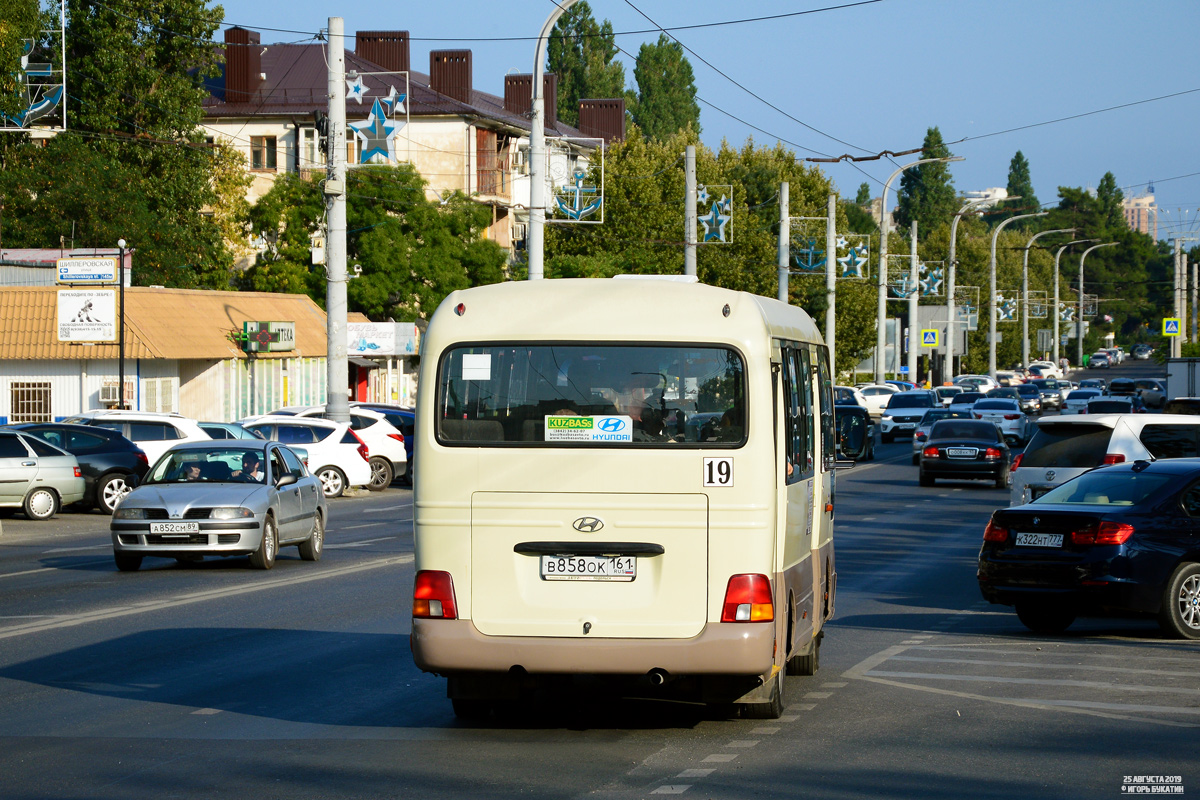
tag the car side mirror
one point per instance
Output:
(287, 479)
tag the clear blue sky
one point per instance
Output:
(878, 75)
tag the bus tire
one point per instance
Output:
(773, 708)
(806, 662)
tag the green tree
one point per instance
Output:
(581, 52)
(1110, 199)
(1020, 186)
(665, 102)
(863, 198)
(19, 20)
(927, 192)
(413, 252)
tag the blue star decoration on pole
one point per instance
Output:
(1006, 310)
(577, 193)
(377, 135)
(853, 262)
(356, 89)
(715, 220)
(395, 101)
(931, 281)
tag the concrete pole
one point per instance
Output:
(1057, 334)
(1025, 294)
(831, 283)
(1079, 321)
(121, 332)
(992, 289)
(337, 386)
(1175, 348)
(1195, 301)
(952, 323)
(785, 238)
(689, 211)
(881, 315)
(914, 301)
(535, 235)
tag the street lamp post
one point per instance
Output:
(1079, 320)
(992, 289)
(121, 333)
(1056, 300)
(537, 150)
(881, 316)
(1025, 294)
(951, 326)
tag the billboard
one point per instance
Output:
(87, 315)
(381, 339)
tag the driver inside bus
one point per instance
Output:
(633, 399)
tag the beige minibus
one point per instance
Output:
(622, 481)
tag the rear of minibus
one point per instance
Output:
(598, 488)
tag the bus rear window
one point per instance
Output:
(615, 395)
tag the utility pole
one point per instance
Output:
(689, 211)
(121, 334)
(535, 234)
(1057, 255)
(1079, 322)
(785, 237)
(831, 283)
(1025, 294)
(914, 300)
(1195, 301)
(992, 290)
(951, 271)
(337, 388)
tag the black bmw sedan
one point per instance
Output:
(106, 458)
(1116, 540)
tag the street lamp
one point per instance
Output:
(1079, 321)
(881, 316)
(1055, 306)
(1025, 293)
(121, 334)
(992, 290)
(951, 327)
(537, 150)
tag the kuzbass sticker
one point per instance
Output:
(589, 429)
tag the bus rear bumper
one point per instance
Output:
(447, 647)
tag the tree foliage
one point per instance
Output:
(927, 192)
(413, 252)
(580, 52)
(665, 101)
(1020, 188)
(19, 20)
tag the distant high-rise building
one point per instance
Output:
(1141, 214)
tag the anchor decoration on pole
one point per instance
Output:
(35, 90)
(900, 277)
(720, 213)
(582, 201)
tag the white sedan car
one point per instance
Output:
(1007, 415)
(877, 397)
(336, 455)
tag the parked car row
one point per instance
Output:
(110, 451)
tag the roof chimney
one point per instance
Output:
(518, 96)
(603, 119)
(450, 73)
(388, 49)
(243, 64)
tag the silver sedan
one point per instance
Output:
(228, 498)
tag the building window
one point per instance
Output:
(262, 152)
(30, 403)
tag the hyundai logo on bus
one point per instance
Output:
(588, 524)
(611, 424)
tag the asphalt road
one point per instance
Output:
(214, 680)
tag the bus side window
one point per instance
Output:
(828, 448)
(804, 372)
(793, 377)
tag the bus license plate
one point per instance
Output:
(589, 568)
(174, 527)
(1039, 540)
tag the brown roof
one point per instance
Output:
(298, 83)
(160, 323)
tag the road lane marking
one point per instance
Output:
(766, 731)
(387, 508)
(55, 569)
(672, 789)
(695, 773)
(364, 525)
(1107, 687)
(200, 597)
(357, 544)
(743, 743)
(817, 695)
(1035, 665)
(206, 711)
(719, 758)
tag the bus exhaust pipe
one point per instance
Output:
(657, 676)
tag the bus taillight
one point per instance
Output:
(433, 595)
(748, 599)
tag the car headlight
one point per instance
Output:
(129, 513)
(231, 513)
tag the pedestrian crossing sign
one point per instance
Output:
(1171, 327)
(929, 338)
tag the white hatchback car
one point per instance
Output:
(877, 397)
(155, 432)
(336, 455)
(383, 439)
(1007, 415)
(1077, 401)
